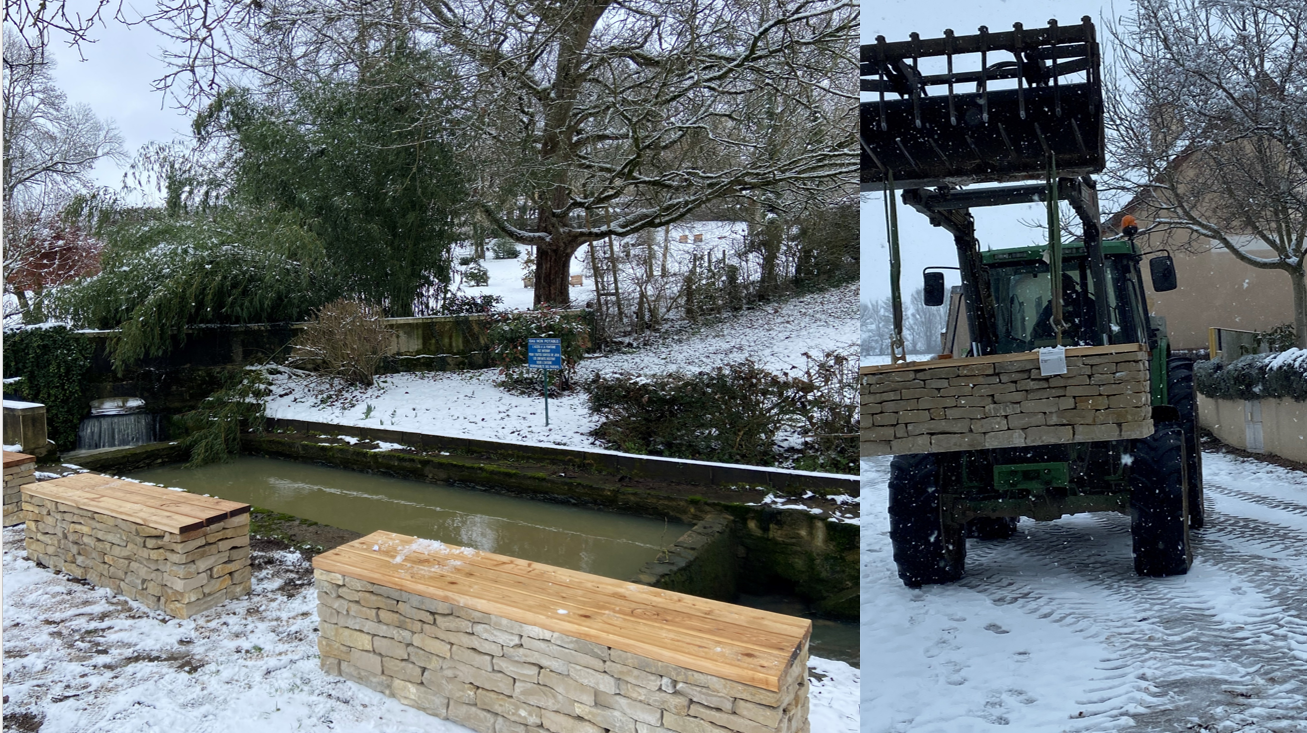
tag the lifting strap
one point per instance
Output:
(897, 351)
(1055, 250)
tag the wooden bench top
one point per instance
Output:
(153, 506)
(998, 358)
(17, 459)
(733, 642)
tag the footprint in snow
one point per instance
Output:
(995, 628)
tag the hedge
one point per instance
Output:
(1255, 377)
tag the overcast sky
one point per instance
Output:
(115, 80)
(921, 244)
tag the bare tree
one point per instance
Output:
(586, 118)
(1207, 129)
(50, 148)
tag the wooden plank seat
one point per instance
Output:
(20, 470)
(468, 632)
(170, 550)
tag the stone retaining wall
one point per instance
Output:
(20, 470)
(1005, 402)
(703, 562)
(494, 675)
(182, 575)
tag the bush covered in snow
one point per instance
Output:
(730, 414)
(1256, 376)
(739, 413)
(509, 335)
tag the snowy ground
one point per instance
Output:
(80, 659)
(468, 403)
(1052, 631)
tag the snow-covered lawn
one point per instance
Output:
(468, 404)
(506, 275)
(1052, 630)
(80, 659)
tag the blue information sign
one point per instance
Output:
(544, 354)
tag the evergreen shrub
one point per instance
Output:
(509, 334)
(459, 305)
(730, 413)
(476, 275)
(504, 249)
(1254, 377)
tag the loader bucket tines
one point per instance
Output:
(1025, 99)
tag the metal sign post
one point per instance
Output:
(547, 356)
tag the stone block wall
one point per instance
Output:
(703, 562)
(1005, 402)
(182, 575)
(20, 470)
(495, 675)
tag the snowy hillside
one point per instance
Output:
(468, 403)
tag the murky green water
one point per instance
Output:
(603, 543)
(830, 639)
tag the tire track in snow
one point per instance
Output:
(1176, 634)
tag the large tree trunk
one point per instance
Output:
(553, 266)
(1299, 307)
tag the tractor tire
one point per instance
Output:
(992, 528)
(1180, 387)
(926, 550)
(1159, 503)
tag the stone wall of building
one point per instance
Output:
(181, 575)
(495, 675)
(20, 470)
(1005, 402)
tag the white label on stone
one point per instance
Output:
(1052, 361)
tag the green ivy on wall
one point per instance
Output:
(53, 362)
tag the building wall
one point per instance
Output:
(1217, 290)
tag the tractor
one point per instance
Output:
(1025, 126)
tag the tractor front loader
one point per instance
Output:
(1063, 397)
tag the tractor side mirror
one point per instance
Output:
(934, 289)
(1162, 270)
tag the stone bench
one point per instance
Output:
(169, 550)
(1004, 401)
(500, 644)
(20, 470)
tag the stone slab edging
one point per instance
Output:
(672, 470)
(496, 643)
(702, 562)
(171, 551)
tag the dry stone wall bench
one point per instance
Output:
(20, 470)
(169, 550)
(500, 644)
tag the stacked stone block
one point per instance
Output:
(495, 675)
(20, 470)
(1002, 402)
(180, 574)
